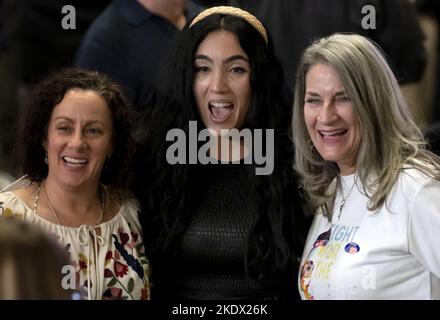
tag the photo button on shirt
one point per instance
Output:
(376, 255)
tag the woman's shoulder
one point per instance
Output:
(118, 202)
(416, 178)
(20, 183)
(22, 189)
(16, 202)
(8, 199)
(411, 181)
(126, 218)
(131, 207)
(126, 209)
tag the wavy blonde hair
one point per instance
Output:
(390, 139)
(31, 263)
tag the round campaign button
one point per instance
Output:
(352, 248)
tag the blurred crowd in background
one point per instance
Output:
(33, 42)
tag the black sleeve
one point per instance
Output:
(401, 37)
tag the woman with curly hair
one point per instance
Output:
(76, 148)
(219, 230)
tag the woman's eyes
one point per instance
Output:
(93, 131)
(202, 69)
(342, 99)
(65, 129)
(313, 101)
(238, 69)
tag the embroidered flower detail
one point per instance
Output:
(120, 269)
(135, 237)
(108, 273)
(108, 258)
(132, 243)
(109, 255)
(7, 213)
(124, 237)
(131, 261)
(82, 262)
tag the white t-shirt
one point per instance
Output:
(393, 253)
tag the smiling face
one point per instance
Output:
(78, 139)
(222, 86)
(330, 119)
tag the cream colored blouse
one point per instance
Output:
(107, 260)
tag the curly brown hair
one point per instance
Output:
(47, 94)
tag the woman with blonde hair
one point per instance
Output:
(365, 170)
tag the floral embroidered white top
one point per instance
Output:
(117, 269)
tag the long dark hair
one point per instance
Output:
(166, 191)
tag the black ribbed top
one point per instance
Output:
(211, 261)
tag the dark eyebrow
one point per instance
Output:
(63, 118)
(237, 57)
(71, 120)
(228, 60)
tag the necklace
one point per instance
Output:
(344, 199)
(37, 197)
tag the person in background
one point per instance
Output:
(296, 23)
(393, 24)
(130, 40)
(365, 170)
(76, 150)
(33, 42)
(31, 263)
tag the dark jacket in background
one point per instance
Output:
(129, 43)
(294, 24)
(44, 44)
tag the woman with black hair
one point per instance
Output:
(217, 227)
